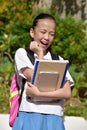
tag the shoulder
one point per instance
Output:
(20, 53)
(20, 50)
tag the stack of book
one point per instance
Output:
(49, 75)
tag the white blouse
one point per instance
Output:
(21, 61)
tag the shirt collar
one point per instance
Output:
(46, 57)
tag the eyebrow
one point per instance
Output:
(46, 30)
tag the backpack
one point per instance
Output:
(15, 94)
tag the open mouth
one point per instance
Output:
(44, 43)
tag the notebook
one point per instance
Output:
(49, 75)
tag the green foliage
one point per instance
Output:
(76, 111)
(4, 99)
(70, 38)
(6, 68)
(70, 42)
(15, 30)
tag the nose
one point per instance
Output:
(46, 36)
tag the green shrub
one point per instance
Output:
(70, 43)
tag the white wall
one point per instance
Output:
(4, 124)
(75, 123)
(71, 123)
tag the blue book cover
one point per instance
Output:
(35, 71)
(64, 74)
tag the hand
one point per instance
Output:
(32, 91)
(34, 46)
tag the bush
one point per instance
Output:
(70, 43)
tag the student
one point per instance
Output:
(40, 115)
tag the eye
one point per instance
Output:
(43, 32)
(52, 34)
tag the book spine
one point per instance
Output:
(64, 75)
(35, 71)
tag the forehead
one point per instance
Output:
(46, 23)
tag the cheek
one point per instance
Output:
(51, 39)
(38, 36)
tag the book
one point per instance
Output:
(49, 75)
(47, 81)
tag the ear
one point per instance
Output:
(32, 33)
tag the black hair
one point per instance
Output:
(42, 16)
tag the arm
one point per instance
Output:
(38, 50)
(27, 72)
(32, 91)
(34, 46)
(62, 93)
(23, 65)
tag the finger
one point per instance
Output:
(29, 84)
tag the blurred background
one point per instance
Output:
(70, 42)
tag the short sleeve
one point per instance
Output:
(22, 60)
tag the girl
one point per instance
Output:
(40, 115)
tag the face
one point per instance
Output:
(44, 33)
